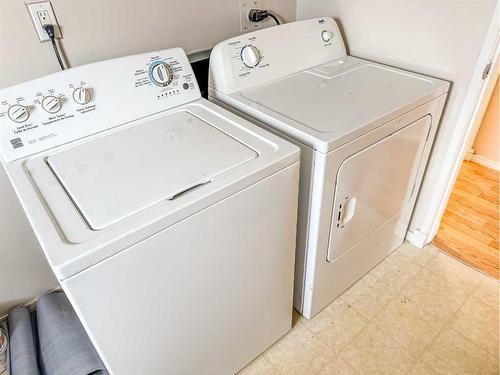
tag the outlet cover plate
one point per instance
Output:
(42, 13)
(245, 7)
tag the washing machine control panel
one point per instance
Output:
(78, 102)
(262, 56)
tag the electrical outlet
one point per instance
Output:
(42, 14)
(43, 17)
(245, 7)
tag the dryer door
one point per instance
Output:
(374, 185)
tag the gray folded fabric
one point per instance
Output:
(23, 354)
(64, 345)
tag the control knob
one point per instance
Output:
(161, 74)
(51, 104)
(82, 95)
(18, 113)
(326, 36)
(250, 56)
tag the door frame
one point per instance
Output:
(473, 105)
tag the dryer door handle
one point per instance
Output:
(348, 210)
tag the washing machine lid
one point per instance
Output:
(328, 103)
(139, 179)
(114, 177)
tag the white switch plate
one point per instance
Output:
(245, 7)
(41, 14)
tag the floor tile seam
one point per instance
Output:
(473, 343)
(425, 346)
(270, 363)
(436, 273)
(446, 322)
(431, 343)
(432, 372)
(448, 325)
(410, 260)
(452, 318)
(371, 321)
(452, 315)
(483, 273)
(490, 278)
(328, 347)
(365, 324)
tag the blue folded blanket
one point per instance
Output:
(64, 345)
(23, 353)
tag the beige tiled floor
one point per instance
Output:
(418, 312)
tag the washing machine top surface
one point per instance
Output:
(138, 151)
(312, 90)
(116, 176)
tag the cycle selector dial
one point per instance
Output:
(51, 104)
(82, 95)
(326, 36)
(18, 113)
(250, 56)
(161, 74)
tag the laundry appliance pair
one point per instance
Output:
(170, 222)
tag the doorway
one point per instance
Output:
(469, 228)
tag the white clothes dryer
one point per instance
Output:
(365, 131)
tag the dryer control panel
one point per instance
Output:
(75, 103)
(262, 56)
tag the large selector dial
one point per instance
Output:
(250, 56)
(161, 73)
(18, 113)
(51, 104)
(82, 95)
(326, 36)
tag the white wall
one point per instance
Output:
(24, 272)
(441, 38)
(93, 30)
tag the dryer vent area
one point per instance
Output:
(47, 340)
(200, 69)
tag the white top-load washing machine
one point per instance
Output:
(365, 131)
(169, 222)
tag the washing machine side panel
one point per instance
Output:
(200, 286)
(327, 280)
(307, 170)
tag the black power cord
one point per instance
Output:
(257, 15)
(49, 29)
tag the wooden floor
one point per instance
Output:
(469, 229)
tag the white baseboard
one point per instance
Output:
(488, 163)
(30, 305)
(468, 154)
(417, 238)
